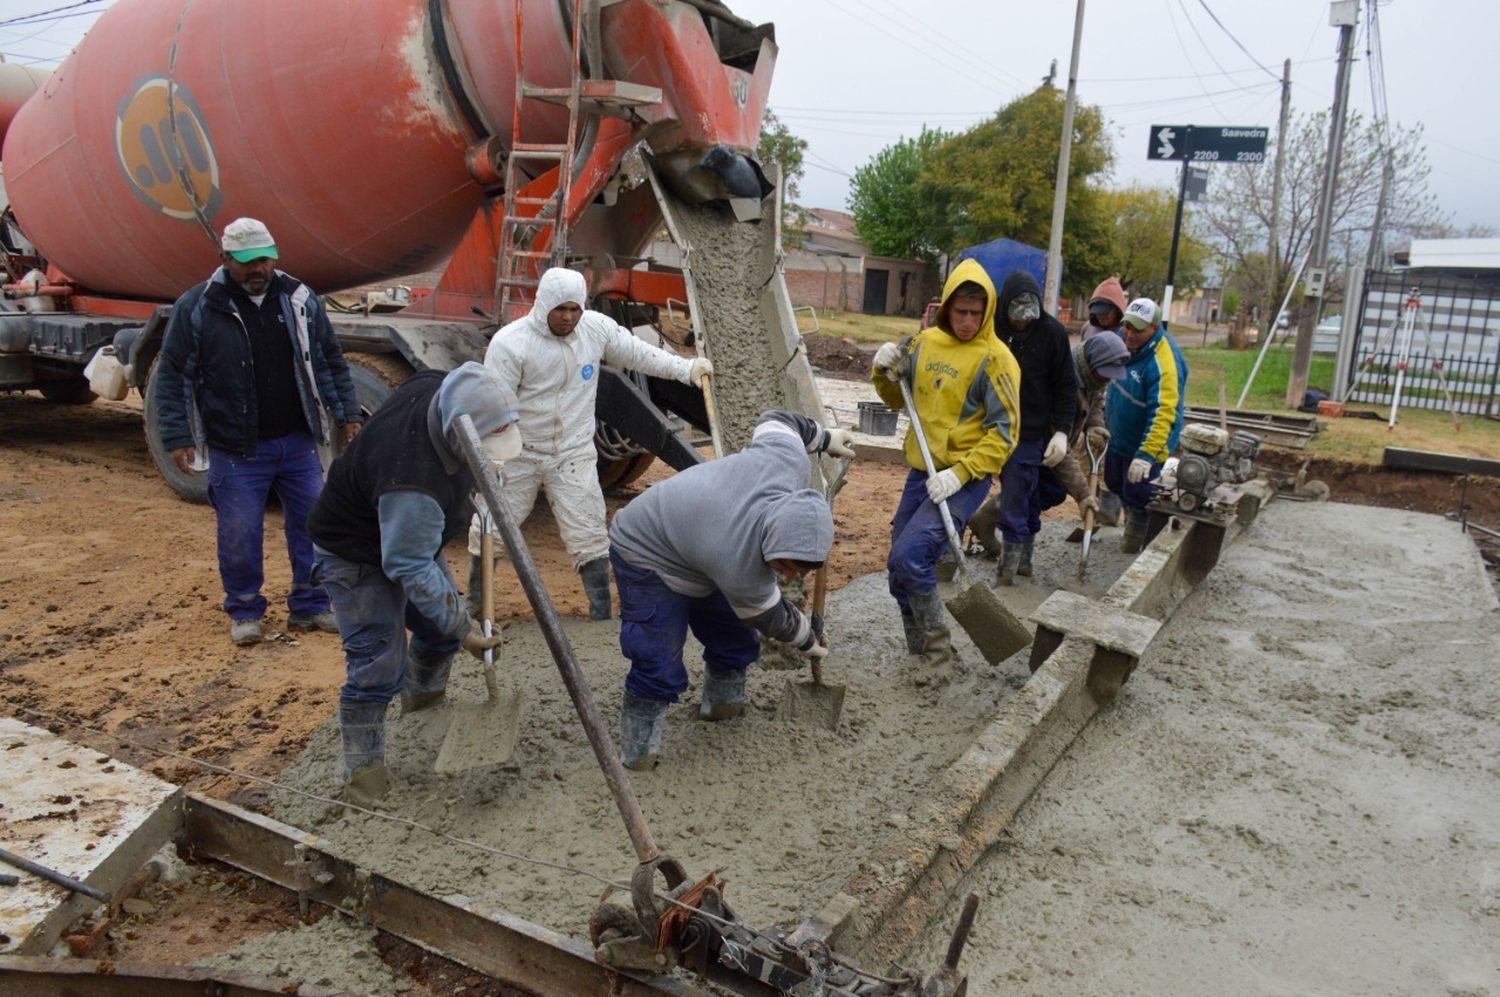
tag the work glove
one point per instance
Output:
(888, 357)
(813, 649)
(1057, 449)
(1092, 502)
(943, 485)
(1098, 437)
(476, 643)
(840, 444)
(1140, 470)
(699, 368)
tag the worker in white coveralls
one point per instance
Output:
(704, 550)
(550, 359)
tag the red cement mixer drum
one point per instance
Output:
(334, 122)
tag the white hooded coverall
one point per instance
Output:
(556, 379)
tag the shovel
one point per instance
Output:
(993, 628)
(815, 703)
(1088, 528)
(483, 734)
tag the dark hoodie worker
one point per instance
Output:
(393, 499)
(963, 384)
(705, 549)
(1049, 403)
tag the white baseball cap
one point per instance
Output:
(1141, 314)
(247, 239)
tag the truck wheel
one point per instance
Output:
(619, 473)
(375, 376)
(72, 391)
(190, 487)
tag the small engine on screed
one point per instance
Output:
(1210, 457)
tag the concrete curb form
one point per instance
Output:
(910, 875)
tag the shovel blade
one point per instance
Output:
(481, 734)
(811, 704)
(993, 628)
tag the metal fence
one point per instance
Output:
(1455, 331)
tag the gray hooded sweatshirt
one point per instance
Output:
(715, 526)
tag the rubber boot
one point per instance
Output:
(1136, 522)
(1109, 509)
(946, 567)
(938, 656)
(476, 587)
(913, 634)
(1024, 567)
(426, 680)
(1010, 563)
(982, 526)
(723, 694)
(595, 575)
(641, 724)
(362, 729)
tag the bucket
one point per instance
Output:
(877, 419)
(106, 375)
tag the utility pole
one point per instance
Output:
(1375, 258)
(1343, 14)
(1060, 192)
(1273, 246)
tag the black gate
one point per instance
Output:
(1455, 330)
(877, 283)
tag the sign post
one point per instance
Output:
(1202, 146)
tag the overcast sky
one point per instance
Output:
(856, 75)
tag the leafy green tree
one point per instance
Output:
(893, 219)
(996, 180)
(1141, 240)
(779, 147)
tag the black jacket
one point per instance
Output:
(205, 389)
(1049, 388)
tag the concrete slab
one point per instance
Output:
(87, 815)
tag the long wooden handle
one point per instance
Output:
(713, 415)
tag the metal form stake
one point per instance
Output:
(615, 776)
(1060, 191)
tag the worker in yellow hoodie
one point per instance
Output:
(966, 386)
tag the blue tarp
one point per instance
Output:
(1002, 257)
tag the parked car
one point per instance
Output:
(1326, 335)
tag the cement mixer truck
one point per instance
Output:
(378, 138)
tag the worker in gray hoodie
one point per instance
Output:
(704, 550)
(393, 498)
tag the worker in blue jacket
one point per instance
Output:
(1144, 412)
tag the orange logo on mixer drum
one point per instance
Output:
(164, 149)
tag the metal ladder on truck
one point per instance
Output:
(521, 261)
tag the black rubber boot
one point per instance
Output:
(1010, 562)
(641, 725)
(1024, 567)
(595, 576)
(723, 694)
(982, 526)
(1109, 509)
(937, 652)
(362, 729)
(1136, 523)
(426, 680)
(913, 633)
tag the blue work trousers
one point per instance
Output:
(1026, 488)
(654, 622)
(917, 535)
(374, 616)
(1136, 496)
(238, 488)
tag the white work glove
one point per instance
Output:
(699, 368)
(888, 357)
(476, 643)
(1057, 449)
(1092, 502)
(474, 534)
(1098, 437)
(840, 444)
(1140, 469)
(943, 485)
(1168, 477)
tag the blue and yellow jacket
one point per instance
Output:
(1144, 408)
(967, 394)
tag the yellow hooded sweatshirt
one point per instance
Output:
(967, 394)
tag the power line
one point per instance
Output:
(46, 15)
(1187, 56)
(1242, 48)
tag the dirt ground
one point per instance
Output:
(109, 616)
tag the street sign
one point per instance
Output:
(1196, 187)
(1204, 144)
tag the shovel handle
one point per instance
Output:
(916, 426)
(713, 415)
(487, 592)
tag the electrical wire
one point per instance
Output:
(1188, 58)
(1242, 48)
(47, 15)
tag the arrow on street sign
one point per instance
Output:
(1164, 147)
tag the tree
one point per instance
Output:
(1237, 213)
(997, 180)
(780, 147)
(893, 219)
(1140, 242)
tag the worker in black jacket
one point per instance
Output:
(1049, 402)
